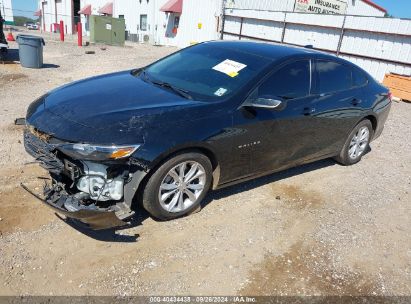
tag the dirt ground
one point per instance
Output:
(319, 229)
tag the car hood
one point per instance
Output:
(114, 105)
(100, 101)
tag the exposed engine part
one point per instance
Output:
(97, 185)
(72, 169)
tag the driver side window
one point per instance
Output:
(289, 82)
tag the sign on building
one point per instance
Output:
(320, 6)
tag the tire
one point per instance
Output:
(347, 156)
(159, 202)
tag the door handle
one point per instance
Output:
(308, 111)
(356, 101)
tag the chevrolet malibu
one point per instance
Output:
(206, 117)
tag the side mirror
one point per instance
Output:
(266, 102)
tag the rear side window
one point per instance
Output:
(358, 78)
(289, 82)
(332, 77)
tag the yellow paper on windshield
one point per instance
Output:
(229, 67)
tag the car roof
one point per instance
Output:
(270, 50)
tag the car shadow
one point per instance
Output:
(115, 235)
(268, 179)
(50, 66)
(112, 235)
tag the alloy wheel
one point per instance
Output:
(359, 142)
(182, 186)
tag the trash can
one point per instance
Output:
(31, 51)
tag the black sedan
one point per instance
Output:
(205, 117)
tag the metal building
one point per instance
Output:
(161, 22)
(181, 22)
(51, 12)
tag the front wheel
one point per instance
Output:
(178, 186)
(357, 144)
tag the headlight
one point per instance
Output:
(94, 152)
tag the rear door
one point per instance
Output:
(337, 104)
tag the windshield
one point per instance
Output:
(206, 71)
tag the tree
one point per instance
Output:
(21, 20)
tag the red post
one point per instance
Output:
(80, 33)
(61, 30)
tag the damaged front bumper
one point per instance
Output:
(63, 194)
(93, 216)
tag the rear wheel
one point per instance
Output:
(357, 144)
(178, 186)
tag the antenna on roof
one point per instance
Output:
(309, 46)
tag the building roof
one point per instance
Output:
(369, 2)
(106, 9)
(85, 10)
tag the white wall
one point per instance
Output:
(48, 14)
(354, 7)
(359, 7)
(131, 10)
(194, 12)
(64, 13)
(7, 10)
(386, 40)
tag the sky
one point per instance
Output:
(24, 5)
(397, 8)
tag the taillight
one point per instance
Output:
(389, 95)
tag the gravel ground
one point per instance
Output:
(319, 229)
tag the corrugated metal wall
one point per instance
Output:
(378, 68)
(270, 5)
(354, 7)
(379, 45)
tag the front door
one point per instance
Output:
(275, 138)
